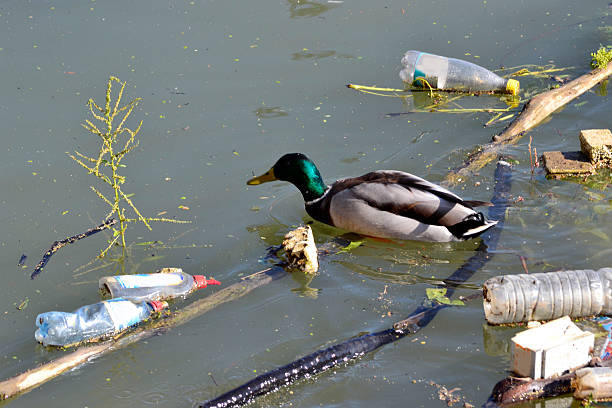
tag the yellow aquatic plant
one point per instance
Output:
(116, 140)
(601, 57)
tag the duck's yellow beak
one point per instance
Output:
(264, 178)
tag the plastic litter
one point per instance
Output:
(594, 382)
(551, 349)
(606, 324)
(547, 296)
(92, 321)
(452, 74)
(167, 284)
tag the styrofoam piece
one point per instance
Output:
(551, 349)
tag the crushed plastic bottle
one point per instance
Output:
(547, 296)
(92, 322)
(167, 284)
(452, 74)
(594, 383)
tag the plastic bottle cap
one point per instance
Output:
(202, 282)
(513, 86)
(158, 305)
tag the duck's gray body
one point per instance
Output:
(398, 205)
(383, 203)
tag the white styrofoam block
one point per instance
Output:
(551, 349)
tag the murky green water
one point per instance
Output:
(227, 88)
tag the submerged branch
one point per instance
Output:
(59, 244)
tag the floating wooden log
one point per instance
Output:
(511, 390)
(534, 112)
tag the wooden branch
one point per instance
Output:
(534, 112)
(416, 319)
(59, 244)
(37, 376)
(512, 389)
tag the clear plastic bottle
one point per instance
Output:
(594, 383)
(154, 286)
(547, 296)
(92, 321)
(452, 74)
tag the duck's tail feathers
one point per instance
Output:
(472, 226)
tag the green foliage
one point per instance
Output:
(116, 140)
(601, 58)
(352, 245)
(439, 295)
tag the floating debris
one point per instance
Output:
(301, 249)
(596, 144)
(596, 151)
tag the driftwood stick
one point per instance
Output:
(534, 112)
(512, 390)
(37, 376)
(59, 244)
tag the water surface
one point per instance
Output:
(227, 88)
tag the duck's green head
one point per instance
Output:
(297, 169)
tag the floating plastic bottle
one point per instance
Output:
(594, 383)
(452, 74)
(154, 286)
(547, 296)
(92, 321)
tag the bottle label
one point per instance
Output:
(433, 68)
(123, 313)
(149, 280)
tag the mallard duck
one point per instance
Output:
(383, 204)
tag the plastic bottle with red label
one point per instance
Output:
(154, 286)
(92, 322)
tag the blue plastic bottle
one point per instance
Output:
(92, 321)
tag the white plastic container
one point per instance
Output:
(92, 322)
(154, 286)
(547, 296)
(452, 74)
(551, 349)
